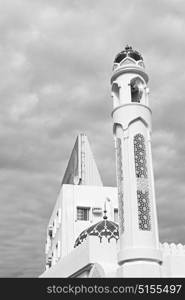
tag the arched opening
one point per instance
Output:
(115, 94)
(137, 89)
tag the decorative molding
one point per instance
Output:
(120, 184)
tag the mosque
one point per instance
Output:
(99, 231)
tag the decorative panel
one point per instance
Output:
(143, 198)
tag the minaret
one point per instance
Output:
(139, 254)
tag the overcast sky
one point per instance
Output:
(56, 61)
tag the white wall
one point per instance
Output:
(70, 197)
(173, 260)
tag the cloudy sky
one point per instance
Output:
(56, 60)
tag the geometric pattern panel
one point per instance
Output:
(140, 156)
(144, 210)
(142, 183)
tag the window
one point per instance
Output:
(54, 228)
(49, 262)
(58, 249)
(59, 216)
(135, 55)
(56, 252)
(115, 94)
(120, 57)
(50, 231)
(116, 215)
(83, 213)
(137, 88)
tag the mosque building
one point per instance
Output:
(98, 231)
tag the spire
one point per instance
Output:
(82, 168)
(136, 196)
(128, 48)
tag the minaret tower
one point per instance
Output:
(139, 254)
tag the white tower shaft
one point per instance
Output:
(139, 253)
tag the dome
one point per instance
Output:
(128, 52)
(104, 228)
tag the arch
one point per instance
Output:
(127, 61)
(115, 94)
(138, 119)
(137, 89)
(116, 125)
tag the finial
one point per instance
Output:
(105, 211)
(127, 48)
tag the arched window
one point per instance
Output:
(143, 200)
(115, 94)
(137, 89)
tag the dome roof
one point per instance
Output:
(128, 52)
(104, 228)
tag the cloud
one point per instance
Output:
(56, 59)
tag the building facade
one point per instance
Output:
(98, 231)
